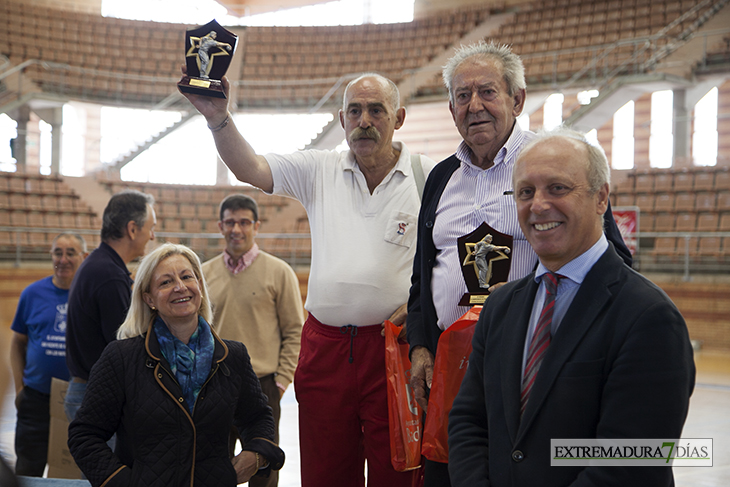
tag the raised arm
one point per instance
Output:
(233, 149)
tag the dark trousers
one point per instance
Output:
(436, 474)
(31, 432)
(268, 385)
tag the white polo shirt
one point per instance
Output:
(362, 244)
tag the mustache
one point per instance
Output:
(368, 133)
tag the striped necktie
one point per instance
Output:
(540, 338)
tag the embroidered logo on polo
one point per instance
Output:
(401, 229)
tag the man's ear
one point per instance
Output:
(602, 201)
(132, 229)
(519, 100)
(451, 109)
(342, 118)
(400, 117)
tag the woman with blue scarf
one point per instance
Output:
(173, 391)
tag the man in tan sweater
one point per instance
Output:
(256, 300)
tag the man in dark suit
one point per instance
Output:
(584, 347)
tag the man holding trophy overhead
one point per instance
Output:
(362, 202)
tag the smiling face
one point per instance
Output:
(174, 290)
(67, 256)
(239, 228)
(369, 119)
(557, 211)
(483, 110)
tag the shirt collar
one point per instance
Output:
(403, 164)
(464, 152)
(576, 269)
(236, 266)
(105, 247)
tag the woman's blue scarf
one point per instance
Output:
(190, 363)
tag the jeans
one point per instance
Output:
(73, 399)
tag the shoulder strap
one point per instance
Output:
(418, 174)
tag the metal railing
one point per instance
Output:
(290, 247)
(295, 249)
(686, 261)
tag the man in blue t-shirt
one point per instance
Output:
(38, 352)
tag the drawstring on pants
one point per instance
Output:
(353, 333)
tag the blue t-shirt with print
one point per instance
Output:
(41, 315)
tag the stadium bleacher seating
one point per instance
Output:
(89, 57)
(41, 202)
(98, 58)
(194, 210)
(682, 200)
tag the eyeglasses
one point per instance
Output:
(231, 224)
(59, 254)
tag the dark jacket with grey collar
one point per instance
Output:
(133, 393)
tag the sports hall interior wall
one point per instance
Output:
(66, 52)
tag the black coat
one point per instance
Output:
(422, 326)
(619, 366)
(133, 393)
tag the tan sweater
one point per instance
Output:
(261, 307)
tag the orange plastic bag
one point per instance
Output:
(452, 358)
(404, 414)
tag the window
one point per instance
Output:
(73, 151)
(46, 146)
(585, 97)
(622, 146)
(661, 140)
(592, 137)
(553, 111)
(8, 132)
(524, 121)
(196, 12)
(704, 138)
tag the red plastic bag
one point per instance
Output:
(404, 414)
(452, 358)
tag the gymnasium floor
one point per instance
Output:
(709, 417)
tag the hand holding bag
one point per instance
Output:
(449, 368)
(404, 414)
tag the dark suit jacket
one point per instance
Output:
(619, 366)
(422, 326)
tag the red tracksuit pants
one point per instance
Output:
(340, 386)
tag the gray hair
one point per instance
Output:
(122, 208)
(140, 316)
(393, 95)
(514, 70)
(78, 237)
(598, 172)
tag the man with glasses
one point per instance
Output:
(256, 301)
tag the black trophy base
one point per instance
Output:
(473, 299)
(201, 86)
